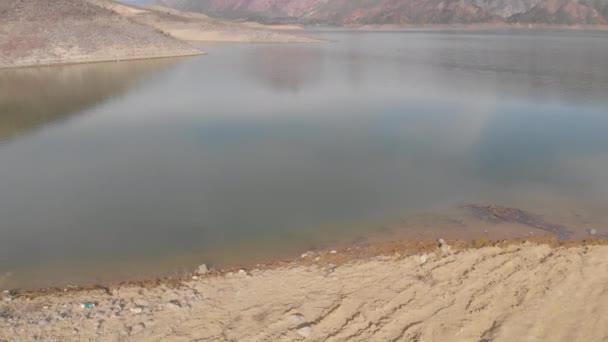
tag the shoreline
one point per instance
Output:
(480, 26)
(101, 60)
(454, 290)
(343, 255)
(219, 37)
(467, 226)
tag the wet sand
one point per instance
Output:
(397, 291)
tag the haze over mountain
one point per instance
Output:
(401, 12)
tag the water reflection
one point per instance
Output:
(258, 150)
(285, 68)
(33, 97)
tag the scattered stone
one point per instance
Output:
(242, 272)
(592, 231)
(317, 259)
(137, 328)
(297, 318)
(173, 304)
(119, 304)
(423, 258)
(305, 331)
(194, 277)
(445, 248)
(333, 252)
(141, 303)
(137, 310)
(202, 269)
(305, 255)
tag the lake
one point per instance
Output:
(116, 171)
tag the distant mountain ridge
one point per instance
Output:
(402, 12)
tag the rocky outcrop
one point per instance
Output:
(404, 12)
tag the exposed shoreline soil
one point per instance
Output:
(87, 31)
(400, 290)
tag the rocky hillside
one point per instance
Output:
(404, 12)
(35, 32)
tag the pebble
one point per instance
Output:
(118, 303)
(441, 242)
(141, 302)
(333, 252)
(137, 310)
(194, 277)
(305, 255)
(202, 269)
(592, 231)
(242, 272)
(423, 258)
(317, 259)
(173, 304)
(305, 331)
(137, 328)
(297, 318)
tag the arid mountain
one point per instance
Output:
(403, 12)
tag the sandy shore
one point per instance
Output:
(505, 292)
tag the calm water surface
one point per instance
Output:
(120, 170)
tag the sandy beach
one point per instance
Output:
(501, 292)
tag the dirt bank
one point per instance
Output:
(34, 32)
(505, 292)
